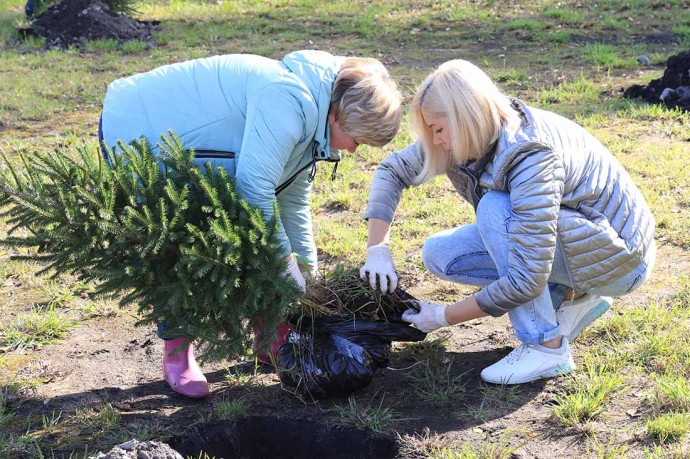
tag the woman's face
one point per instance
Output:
(340, 140)
(439, 128)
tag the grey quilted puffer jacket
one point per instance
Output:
(564, 185)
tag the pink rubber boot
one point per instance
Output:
(269, 357)
(180, 369)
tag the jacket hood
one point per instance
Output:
(317, 70)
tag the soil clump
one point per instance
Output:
(73, 22)
(672, 89)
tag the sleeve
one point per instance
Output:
(535, 183)
(275, 125)
(295, 213)
(397, 172)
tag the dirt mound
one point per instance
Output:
(672, 89)
(135, 450)
(72, 22)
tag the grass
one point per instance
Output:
(6, 414)
(669, 426)
(436, 381)
(500, 393)
(230, 408)
(607, 450)
(376, 417)
(484, 450)
(671, 392)
(432, 347)
(99, 419)
(568, 57)
(36, 327)
(587, 391)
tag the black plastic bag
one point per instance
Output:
(337, 355)
(324, 365)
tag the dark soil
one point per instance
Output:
(676, 75)
(268, 436)
(73, 22)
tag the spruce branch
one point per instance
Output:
(159, 230)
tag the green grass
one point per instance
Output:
(501, 393)
(6, 414)
(607, 56)
(434, 380)
(36, 327)
(655, 338)
(671, 393)
(430, 348)
(99, 419)
(569, 57)
(376, 417)
(587, 392)
(230, 408)
(483, 450)
(669, 427)
(611, 449)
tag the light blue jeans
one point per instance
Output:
(477, 254)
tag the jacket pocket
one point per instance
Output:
(224, 159)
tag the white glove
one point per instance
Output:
(293, 270)
(308, 271)
(379, 265)
(430, 317)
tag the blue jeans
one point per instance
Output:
(477, 254)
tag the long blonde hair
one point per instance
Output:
(477, 112)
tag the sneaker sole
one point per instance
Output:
(558, 371)
(586, 320)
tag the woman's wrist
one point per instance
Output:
(441, 316)
(464, 310)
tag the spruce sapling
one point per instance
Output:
(159, 231)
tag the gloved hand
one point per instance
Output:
(379, 265)
(308, 271)
(430, 317)
(293, 270)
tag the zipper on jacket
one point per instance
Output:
(200, 154)
(205, 154)
(289, 181)
(219, 154)
(476, 172)
(335, 170)
(476, 190)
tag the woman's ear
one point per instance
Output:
(331, 119)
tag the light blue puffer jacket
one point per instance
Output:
(263, 120)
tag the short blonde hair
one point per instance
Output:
(477, 112)
(366, 102)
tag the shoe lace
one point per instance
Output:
(517, 353)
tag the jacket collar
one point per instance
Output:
(317, 70)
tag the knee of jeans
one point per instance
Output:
(493, 209)
(429, 258)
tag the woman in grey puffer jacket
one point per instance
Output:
(560, 226)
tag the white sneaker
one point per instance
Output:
(574, 316)
(530, 362)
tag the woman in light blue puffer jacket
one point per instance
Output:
(560, 226)
(267, 122)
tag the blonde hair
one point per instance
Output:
(477, 112)
(366, 101)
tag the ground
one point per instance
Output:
(110, 360)
(103, 381)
